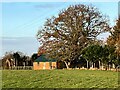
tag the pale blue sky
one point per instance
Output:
(23, 19)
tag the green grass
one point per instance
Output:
(59, 79)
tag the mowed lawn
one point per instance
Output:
(59, 79)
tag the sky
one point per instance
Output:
(22, 20)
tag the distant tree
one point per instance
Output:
(114, 38)
(34, 57)
(113, 59)
(17, 58)
(93, 53)
(20, 58)
(7, 61)
(26, 59)
(105, 56)
(64, 36)
(0, 63)
(102, 54)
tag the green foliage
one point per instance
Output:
(92, 52)
(97, 52)
(34, 56)
(59, 79)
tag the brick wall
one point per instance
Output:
(44, 65)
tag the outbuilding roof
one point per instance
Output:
(42, 58)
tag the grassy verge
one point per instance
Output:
(59, 79)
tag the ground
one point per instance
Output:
(59, 79)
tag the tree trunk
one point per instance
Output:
(87, 64)
(102, 66)
(66, 65)
(92, 64)
(99, 65)
(106, 66)
(16, 62)
(24, 64)
(109, 66)
(113, 66)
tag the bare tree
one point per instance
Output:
(63, 37)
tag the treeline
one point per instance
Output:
(103, 54)
(12, 59)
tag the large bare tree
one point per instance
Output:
(63, 37)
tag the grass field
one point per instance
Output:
(59, 79)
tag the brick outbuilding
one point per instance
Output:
(43, 63)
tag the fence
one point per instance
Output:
(19, 68)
